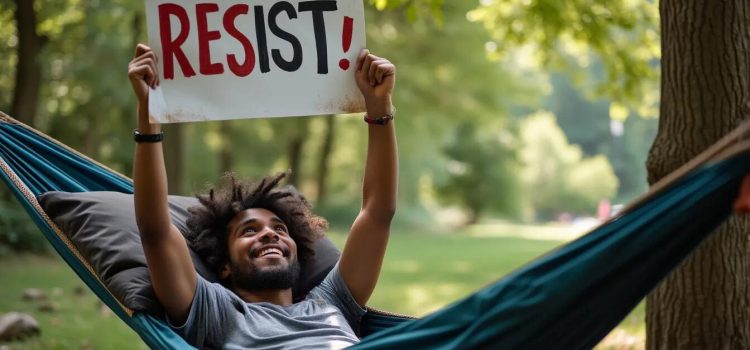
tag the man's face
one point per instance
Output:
(262, 254)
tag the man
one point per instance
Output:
(255, 236)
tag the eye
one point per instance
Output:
(249, 230)
(280, 228)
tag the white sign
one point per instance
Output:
(264, 58)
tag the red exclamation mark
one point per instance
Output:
(346, 40)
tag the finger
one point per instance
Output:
(151, 63)
(147, 54)
(143, 72)
(372, 74)
(148, 58)
(384, 70)
(366, 69)
(361, 58)
(373, 67)
(140, 49)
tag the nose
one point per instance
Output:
(269, 235)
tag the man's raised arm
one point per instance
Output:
(363, 253)
(172, 272)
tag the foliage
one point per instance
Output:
(629, 156)
(482, 169)
(624, 142)
(8, 40)
(557, 178)
(17, 232)
(622, 33)
(445, 80)
(85, 99)
(413, 10)
(564, 35)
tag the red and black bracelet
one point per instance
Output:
(379, 120)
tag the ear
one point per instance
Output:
(225, 272)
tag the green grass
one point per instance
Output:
(80, 322)
(422, 273)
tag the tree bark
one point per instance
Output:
(174, 156)
(137, 28)
(705, 87)
(295, 159)
(324, 160)
(294, 149)
(28, 71)
(92, 136)
(225, 153)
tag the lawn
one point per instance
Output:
(422, 273)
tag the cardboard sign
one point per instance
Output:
(264, 58)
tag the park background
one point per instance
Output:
(521, 125)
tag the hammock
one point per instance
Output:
(568, 299)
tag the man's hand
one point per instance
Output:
(143, 73)
(375, 78)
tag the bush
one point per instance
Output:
(17, 231)
(557, 179)
(340, 216)
(482, 172)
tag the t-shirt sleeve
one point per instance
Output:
(333, 289)
(204, 325)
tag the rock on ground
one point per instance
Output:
(15, 325)
(33, 294)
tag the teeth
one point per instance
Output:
(267, 251)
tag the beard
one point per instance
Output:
(252, 278)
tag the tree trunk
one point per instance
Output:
(473, 217)
(28, 71)
(225, 152)
(173, 156)
(294, 148)
(325, 156)
(137, 28)
(704, 303)
(295, 159)
(92, 136)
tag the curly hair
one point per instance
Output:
(208, 222)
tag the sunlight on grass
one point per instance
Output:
(426, 299)
(553, 231)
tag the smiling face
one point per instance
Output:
(262, 253)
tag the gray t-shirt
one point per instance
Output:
(326, 319)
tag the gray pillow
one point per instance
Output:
(102, 226)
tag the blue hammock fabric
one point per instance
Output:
(568, 299)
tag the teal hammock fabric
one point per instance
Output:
(568, 299)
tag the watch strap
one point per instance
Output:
(147, 138)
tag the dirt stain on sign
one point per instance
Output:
(181, 116)
(347, 104)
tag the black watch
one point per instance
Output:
(148, 138)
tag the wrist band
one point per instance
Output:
(147, 138)
(379, 120)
